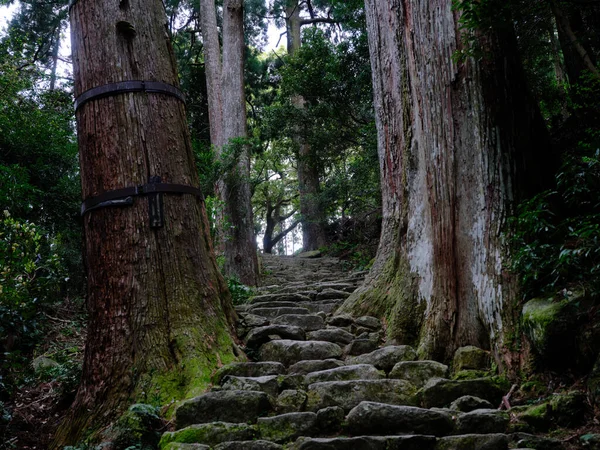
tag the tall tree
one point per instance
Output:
(457, 143)
(159, 310)
(227, 106)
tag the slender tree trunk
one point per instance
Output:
(160, 312)
(313, 220)
(55, 50)
(457, 145)
(241, 258)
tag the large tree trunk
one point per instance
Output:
(457, 143)
(160, 313)
(313, 219)
(240, 246)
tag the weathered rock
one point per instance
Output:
(267, 384)
(385, 358)
(482, 421)
(308, 255)
(538, 417)
(248, 445)
(259, 336)
(336, 335)
(348, 394)
(366, 443)
(248, 369)
(536, 442)
(568, 410)
(360, 347)
(470, 374)
(223, 406)
(332, 294)
(549, 327)
(380, 418)
(418, 372)
(252, 320)
(308, 322)
(178, 446)
(271, 304)
(473, 442)
(341, 320)
(290, 352)
(272, 313)
(468, 403)
(442, 392)
(291, 381)
(330, 419)
(286, 427)
(305, 367)
(209, 434)
(471, 357)
(370, 322)
(280, 297)
(291, 400)
(355, 372)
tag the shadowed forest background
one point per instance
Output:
(314, 181)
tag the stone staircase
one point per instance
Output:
(321, 381)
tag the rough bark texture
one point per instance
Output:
(313, 220)
(159, 310)
(457, 143)
(213, 68)
(240, 246)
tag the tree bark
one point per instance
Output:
(160, 313)
(457, 147)
(313, 220)
(241, 258)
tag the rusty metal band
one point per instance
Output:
(124, 87)
(124, 197)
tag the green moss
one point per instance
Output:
(470, 374)
(209, 434)
(192, 376)
(393, 297)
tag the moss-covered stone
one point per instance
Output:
(418, 372)
(138, 426)
(209, 434)
(473, 442)
(291, 400)
(178, 446)
(286, 427)
(470, 374)
(568, 409)
(538, 417)
(471, 358)
(441, 392)
(549, 326)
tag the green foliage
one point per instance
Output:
(240, 293)
(31, 273)
(556, 235)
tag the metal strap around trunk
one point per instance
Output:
(123, 87)
(124, 197)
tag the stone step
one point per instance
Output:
(348, 394)
(209, 434)
(232, 406)
(385, 358)
(380, 418)
(308, 322)
(249, 369)
(271, 313)
(268, 384)
(336, 335)
(287, 297)
(248, 445)
(314, 365)
(289, 352)
(366, 443)
(418, 372)
(345, 373)
(261, 335)
(441, 392)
